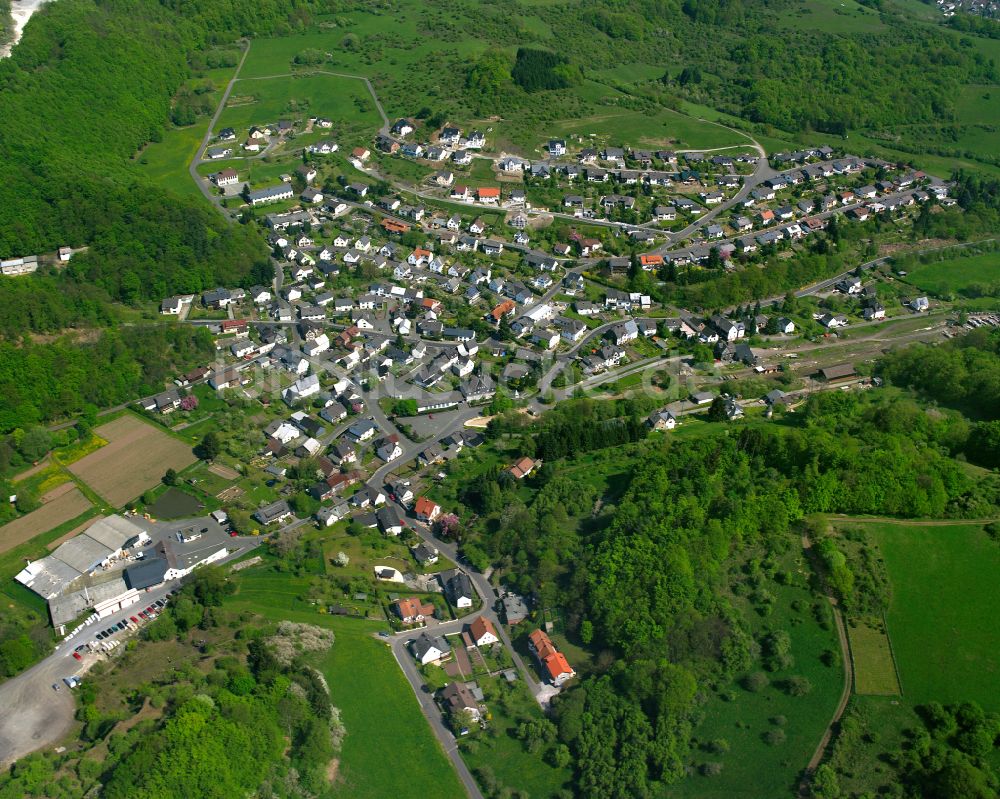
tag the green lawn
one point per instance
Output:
(166, 162)
(942, 617)
(956, 274)
(377, 705)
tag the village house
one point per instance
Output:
(523, 467)
(552, 662)
(481, 632)
(426, 510)
(411, 610)
(428, 649)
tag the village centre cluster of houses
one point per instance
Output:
(444, 304)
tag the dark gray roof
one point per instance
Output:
(146, 573)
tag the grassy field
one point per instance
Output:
(835, 16)
(874, 667)
(135, 458)
(942, 617)
(377, 705)
(256, 102)
(640, 129)
(752, 768)
(956, 274)
(166, 162)
(411, 86)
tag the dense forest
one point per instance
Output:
(961, 373)
(5, 20)
(742, 58)
(88, 86)
(42, 382)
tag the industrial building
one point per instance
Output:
(95, 547)
(107, 566)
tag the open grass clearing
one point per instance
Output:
(136, 457)
(640, 129)
(874, 667)
(942, 616)
(956, 274)
(377, 705)
(753, 768)
(298, 97)
(834, 16)
(165, 162)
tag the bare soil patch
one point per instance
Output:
(136, 457)
(224, 471)
(61, 504)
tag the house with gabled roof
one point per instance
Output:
(429, 649)
(426, 510)
(552, 662)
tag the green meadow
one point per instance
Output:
(956, 274)
(753, 767)
(942, 616)
(256, 102)
(388, 750)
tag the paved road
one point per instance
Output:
(202, 185)
(429, 707)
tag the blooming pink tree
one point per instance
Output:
(449, 526)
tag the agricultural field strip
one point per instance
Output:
(68, 503)
(135, 459)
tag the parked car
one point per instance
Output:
(77, 656)
(160, 603)
(133, 619)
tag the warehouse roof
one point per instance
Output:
(146, 573)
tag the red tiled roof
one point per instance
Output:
(481, 626)
(522, 467)
(424, 506)
(502, 309)
(557, 665)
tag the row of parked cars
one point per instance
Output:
(102, 642)
(148, 614)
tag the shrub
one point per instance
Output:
(755, 682)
